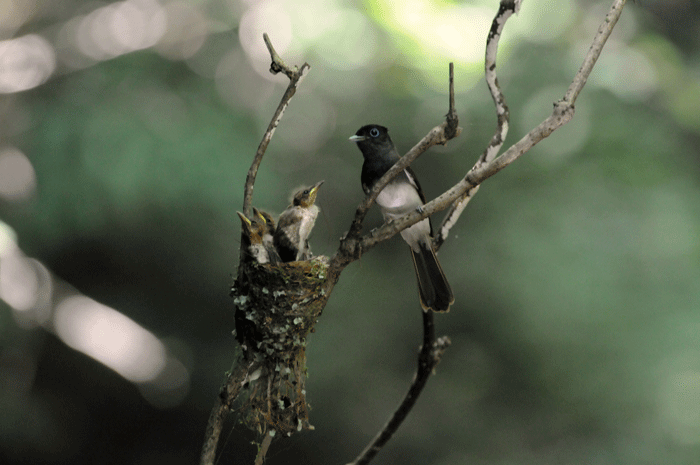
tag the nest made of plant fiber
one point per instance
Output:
(277, 307)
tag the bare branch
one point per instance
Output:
(264, 446)
(428, 358)
(505, 11)
(228, 394)
(599, 40)
(240, 374)
(460, 194)
(467, 187)
(440, 134)
(295, 76)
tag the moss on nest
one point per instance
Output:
(277, 307)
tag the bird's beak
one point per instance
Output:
(314, 191)
(356, 138)
(245, 222)
(243, 218)
(315, 187)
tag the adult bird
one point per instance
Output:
(401, 196)
(295, 224)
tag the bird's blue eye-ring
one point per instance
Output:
(374, 132)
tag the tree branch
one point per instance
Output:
(295, 76)
(484, 168)
(505, 11)
(264, 447)
(239, 376)
(460, 194)
(241, 373)
(350, 249)
(428, 358)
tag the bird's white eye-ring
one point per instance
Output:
(374, 132)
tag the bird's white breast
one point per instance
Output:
(398, 198)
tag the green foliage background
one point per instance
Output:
(576, 329)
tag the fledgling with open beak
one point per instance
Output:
(252, 249)
(295, 224)
(268, 232)
(401, 196)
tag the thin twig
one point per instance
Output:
(295, 76)
(604, 31)
(264, 446)
(505, 11)
(227, 395)
(430, 355)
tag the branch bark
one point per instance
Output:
(227, 395)
(430, 355)
(295, 75)
(351, 247)
(459, 195)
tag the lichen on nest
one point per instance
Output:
(277, 307)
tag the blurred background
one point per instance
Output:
(127, 129)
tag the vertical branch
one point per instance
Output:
(505, 11)
(295, 76)
(241, 374)
(452, 128)
(228, 394)
(264, 447)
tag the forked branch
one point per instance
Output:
(295, 76)
(459, 195)
(489, 164)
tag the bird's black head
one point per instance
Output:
(373, 139)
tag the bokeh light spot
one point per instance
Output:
(14, 14)
(543, 20)
(437, 30)
(25, 62)
(270, 17)
(17, 177)
(350, 43)
(18, 282)
(8, 240)
(185, 31)
(111, 338)
(120, 28)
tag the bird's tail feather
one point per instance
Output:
(434, 290)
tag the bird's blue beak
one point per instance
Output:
(356, 138)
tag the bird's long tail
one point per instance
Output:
(434, 290)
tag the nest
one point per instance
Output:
(277, 307)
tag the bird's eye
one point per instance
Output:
(374, 132)
(306, 191)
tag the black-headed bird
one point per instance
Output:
(401, 196)
(295, 224)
